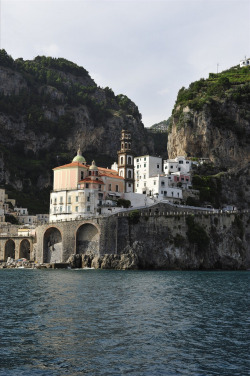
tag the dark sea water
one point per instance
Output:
(94, 322)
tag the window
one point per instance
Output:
(88, 198)
(187, 180)
(99, 186)
(60, 209)
(187, 162)
(145, 184)
(129, 160)
(137, 185)
(180, 162)
(54, 209)
(162, 183)
(116, 188)
(154, 182)
(88, 208)
(171, 166)
(129, 185)
(109, 187)
(182, 179)
(144, 176)
(137, 160)
(69, 199)
(121, 160)
(126, 145)
(179, 169)
(69, 208)
(158, 166)
(87, 185)
(89, 173)
(137, 166)
(77, 209)
(144, 159)
(76, 198)
(82, 175)
(145, 164)
(129, 174)
(61, 200)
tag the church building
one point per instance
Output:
(81, 190)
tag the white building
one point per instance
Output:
(179, 164)
(168, 184)
(145, 167)
(245, 62)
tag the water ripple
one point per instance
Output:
(111, 323)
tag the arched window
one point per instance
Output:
(121, 160)
(129, 145)
(129, 160)
(129, 174)
(121, 173)
(126, 145)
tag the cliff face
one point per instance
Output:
(180, 241)
(48, 107)
(224, 138)
(211, 119)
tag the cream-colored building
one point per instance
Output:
(81, 190)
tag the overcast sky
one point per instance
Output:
(145, 49)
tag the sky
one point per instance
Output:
(145, 49)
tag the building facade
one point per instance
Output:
(82, 190)
(126, 161)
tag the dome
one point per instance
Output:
(93, 166)
(79, 158)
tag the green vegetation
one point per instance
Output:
(121, 202)
(11, 219)
(196, 234)
(232, 85)
(209, 188)
(47, 104)
(134, 217)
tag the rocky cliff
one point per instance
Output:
(177, 240)
(48, 107)
(211, 119)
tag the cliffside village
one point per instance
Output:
(82, 190)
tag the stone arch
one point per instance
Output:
(24, 250)
(9, 249)
(87, 239)
(52, 245)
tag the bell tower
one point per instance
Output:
(126, 161)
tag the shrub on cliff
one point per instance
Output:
(196, 234)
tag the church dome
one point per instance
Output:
(93, 166)
(79, 158)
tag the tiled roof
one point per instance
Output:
(69, 165)
(112, 176)
(88, 180)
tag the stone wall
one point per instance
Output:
(160, 239)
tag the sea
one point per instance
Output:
(112, 323)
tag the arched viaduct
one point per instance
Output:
(56, 242)
(16, 247)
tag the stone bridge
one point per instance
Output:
(56, 242)
(16, 247)
(59, 240)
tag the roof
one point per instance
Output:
(89, 180)
(70, 165)
(112, 176)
